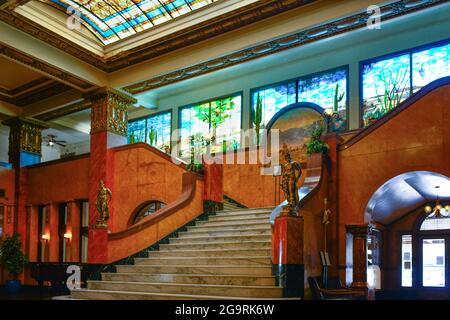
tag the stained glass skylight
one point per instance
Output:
(112, 20)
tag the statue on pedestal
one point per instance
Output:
(104, 196)
(291, 172)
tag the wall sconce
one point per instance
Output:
(45, 238)
(68, 236)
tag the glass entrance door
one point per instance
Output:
(434, 262)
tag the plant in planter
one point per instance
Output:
(13, 260)
(316, 144)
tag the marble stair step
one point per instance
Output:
(211, 253)
(237, 239)
(216, 219)
(245, 211)
(240, 215)
(248, 226)
(83, 294)
(227, 232)
(192, 279)
(265, 260)
(217, 245)
(190, 289)
(225, 224)
(255, 270)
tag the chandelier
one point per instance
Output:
(438, 210)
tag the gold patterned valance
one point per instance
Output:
(109, 111)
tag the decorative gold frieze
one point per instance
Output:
(24, 135)
(109, 111)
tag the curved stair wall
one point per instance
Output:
(145, 173)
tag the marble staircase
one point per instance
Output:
(226, 257)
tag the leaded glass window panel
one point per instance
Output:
(137, 131)
(429, 65)
(329, 91)
(161, 125)
(274, 99)
(386, 84)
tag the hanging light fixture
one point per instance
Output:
(438, 211)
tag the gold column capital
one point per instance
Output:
(109, 111)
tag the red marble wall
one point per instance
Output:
(58, 182)
(245, 184)
(142, 174)
(124, 247)
(418, 138)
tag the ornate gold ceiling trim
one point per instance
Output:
(344, 25)
(42, 67)
(227, 22)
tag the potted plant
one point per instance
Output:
(13, 260)
(316, 144)
(153, 136)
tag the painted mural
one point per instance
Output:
(295, 126)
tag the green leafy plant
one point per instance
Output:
(257, 118)
(132, 138)
(153, 136)
(11, 256)
(224, 146)
(316, 144)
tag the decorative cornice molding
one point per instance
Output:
(28, 97)
(43, 67)
(233, 20)
(353, 22)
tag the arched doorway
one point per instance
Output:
(415, 233)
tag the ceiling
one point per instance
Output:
(22, 86)
(112, 21)
(14, 75)
(405, 193)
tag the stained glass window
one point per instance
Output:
(429, 65)
(112, 20)
(386, 83)
(273, 99)
(154, 130)
(137, 131)
(329, 91)
(216, 122)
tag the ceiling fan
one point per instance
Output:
(51, 141)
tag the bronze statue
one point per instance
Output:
(291, 172)
(104, 196)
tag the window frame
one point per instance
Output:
(345, 67)
(410, 52)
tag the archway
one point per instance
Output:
(413, 247)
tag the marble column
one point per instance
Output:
(287, 251)
(25, 148)
(109, 128)
(360, 257)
